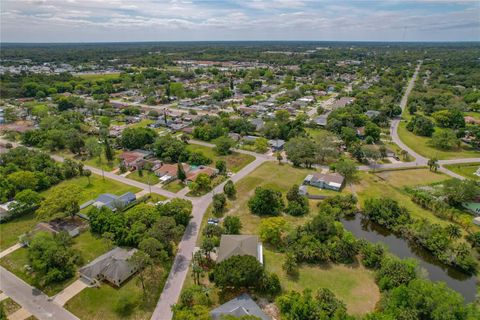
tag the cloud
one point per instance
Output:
(140, 20)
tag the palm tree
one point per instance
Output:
(404, 154)
(454, 231)
(433, 164)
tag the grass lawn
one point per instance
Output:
(353, 284)
(142, 123)
(16, 261)
(148, 177)
(10, 306)
(97, 187)
(90, 246)
(93, 162)
(11, 230)
(174, 186)
(235, 161)
(421, 146)
(317, 134)
(99, 303)
(465, 169)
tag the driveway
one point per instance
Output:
(69, 292)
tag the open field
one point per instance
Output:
(142, 124)
(420, 145)
(235, 161)
(174, 186)
(353, 284)
(99, 76)
(465, 169)
(97, 187)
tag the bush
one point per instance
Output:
(266, 201)
(395, 272)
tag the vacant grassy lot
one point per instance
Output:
(90, 246)
(235, 161)
(465, 169)
(11, 230)
(99, 303)
(353, 284)
(420, 145)
(97, 187)
(174, 186)
(100, 76)
(148, 177)
(142, 123)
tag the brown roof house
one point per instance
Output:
(134, 159)
(113, 266)
(240, 245)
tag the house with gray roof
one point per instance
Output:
(113, 266)
(239, 245)
(114, 202)
(242, 305)
(276, 144)
(331, 181)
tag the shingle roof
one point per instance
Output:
(242, 305)
(112, 266)
(237, 245)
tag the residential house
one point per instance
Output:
(276, 144)
(193, 173)
(321, 120)
(114, 202)
(134, 160)
(342, 102)
(258, 123)
(331, 181)
(113, 266)
(239, 245)
(246, 110)
(5, 211)
(234, 136)
(241, 306)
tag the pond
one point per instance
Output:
(436, 271)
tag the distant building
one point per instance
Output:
(321, 120)
(276, 144)
(258, 123)
(242, 305)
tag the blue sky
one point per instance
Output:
(177, 20)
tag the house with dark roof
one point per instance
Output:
(242, 305)
(331, 181)
(113, 266)
(114, 202)
(239, 245)
(134, 159)
(276, 144)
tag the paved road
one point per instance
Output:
(31, 299)
(178, 273)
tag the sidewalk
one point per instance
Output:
(10, 250)
(69, 292)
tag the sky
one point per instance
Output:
(217, 20)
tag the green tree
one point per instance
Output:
(300, 151)
(25, 201)
(433, 164)
(458, 191)
(237, 272)
(348, 169)
(266, 201)
(137, 138)
(221, 166)
(61, 201)
(229, 189)
(181, 175)
(395, 272)
(87, 173)
(219, 203)
(445, 140)
(223, 145)
(454, 231)
(273, 230)
(232, 225)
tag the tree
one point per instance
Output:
(433, 164)
(21, 180)
(229, 189)
(232, 225)
(261, 145)
(237, 272)
(290, 265)
(372, 254)
(454, 231)
(25, 201)
(297, 203)
(221, 166)
(445, 140)
(386, 212)
(179, 209)
(404, 154)
(273, 230)
(223, 145)
(458, 191)
(326, 148)
(141, 260)
(372, 130)
(87, 173)
(185, 138)
(348, 169)
(51, 257)
(203, 181)
(94, 149)
(395, 272)
(300, 151)
(109, 153)
(266, 201)
(137, 138)
(279, 157)
(61, 201)
(421, 126)
(219, 203)
(169, 149)
(181, 175)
